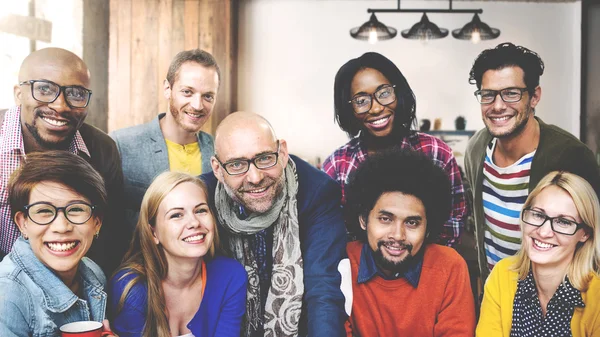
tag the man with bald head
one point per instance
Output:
(281, 218)
(51, 99)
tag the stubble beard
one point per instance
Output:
(518, 128)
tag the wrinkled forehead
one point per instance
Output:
(245, 142)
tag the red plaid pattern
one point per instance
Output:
(347, 158)
(12, 153)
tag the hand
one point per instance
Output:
(106, 329)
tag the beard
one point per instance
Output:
(517, 128)
(393, 266)
(258, 206)
(178, 117)
(50, 145)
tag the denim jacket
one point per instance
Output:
(35, 302)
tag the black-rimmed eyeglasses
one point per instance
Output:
(508, 95)
(47, 92)
(362, 103)
(558, 224)
(43, 213)
(240, 166)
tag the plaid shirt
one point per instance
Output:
(12, 153)
(347, 158)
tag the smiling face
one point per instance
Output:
(61, 244)
(50, 125)
(545, 247)
(507, 119)
(396, 229)
(379, 120)
(258, 189)
(184, 223)
(192, 96)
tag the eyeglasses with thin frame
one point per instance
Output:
(47, 92)
(558, 224)
(240, 166)
(385, 95)
(43, 213)
(508, 95)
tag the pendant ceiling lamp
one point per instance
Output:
(425, 30)
(476, 30)
(373, 31)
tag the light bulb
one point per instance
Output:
(475, 37)
(373, 36)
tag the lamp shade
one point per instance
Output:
(373, 31)
(425, 30)
(476, 30)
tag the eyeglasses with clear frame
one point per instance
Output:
(508, 95)
(558, 224)
(262, 161)
(385, 95)
(47, 92)
(43, 213)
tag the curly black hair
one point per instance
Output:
(506, 55)
(399, 170)
(344, 114)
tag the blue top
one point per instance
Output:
(221, 310)
(35, 302)
(323, 245)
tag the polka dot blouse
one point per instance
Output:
(527, 317)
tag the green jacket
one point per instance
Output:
(557, 150)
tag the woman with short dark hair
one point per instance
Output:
(58, 201)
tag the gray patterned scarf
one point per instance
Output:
(284, 298)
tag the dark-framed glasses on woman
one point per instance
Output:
(385, 95)
(559, 224)
(43, 213)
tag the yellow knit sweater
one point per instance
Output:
(499, 294)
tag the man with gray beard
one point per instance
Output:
(281, 218)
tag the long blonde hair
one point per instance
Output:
(586, 261)
(146, 260)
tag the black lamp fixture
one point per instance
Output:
(476, 30)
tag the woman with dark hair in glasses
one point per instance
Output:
(551, 287)
(58, 201)
(376, 107)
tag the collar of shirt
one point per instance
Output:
(12, 137)
(565, 292)
(367, 269)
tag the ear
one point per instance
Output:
(535, 98)
(21, 221)
(585, 237)
(17, 94)
(166, 89)
(217, 169)
(154, 238)
(98, 224)
(284, 155)
(363, 222)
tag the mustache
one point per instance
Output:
(48, 112)
(247, 186)
(401, 244)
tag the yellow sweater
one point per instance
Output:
(499, 294)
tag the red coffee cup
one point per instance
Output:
(83, 329)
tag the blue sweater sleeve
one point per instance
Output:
(324, 247)
(234, 304)
(130, 320)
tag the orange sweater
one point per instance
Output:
(441, 305)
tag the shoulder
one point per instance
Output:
(15, 285)
(443, 258)
(95, 270)
(309, 175)
(315, 187)
(225, 266)
(138, 292)
(132, 133)
(478, 141)
(431, 146)
(354, 249)
(205, 138)
(211, 182)
(558, 136)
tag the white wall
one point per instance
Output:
(290, 51)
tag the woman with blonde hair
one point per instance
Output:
(552, 286)
(171, 282)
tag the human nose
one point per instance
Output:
(498, 102)
(398, 232)
(61, 224)
(376, 107)
(254, 174)
(196, 102)
(60, 103)
(545, 230)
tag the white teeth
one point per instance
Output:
(258, 191)
(380, 121)
(61, 247)
(542, 244)
(392, 248)
(194, 115)
(194, 238)
(54, 121)
(501, 119)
